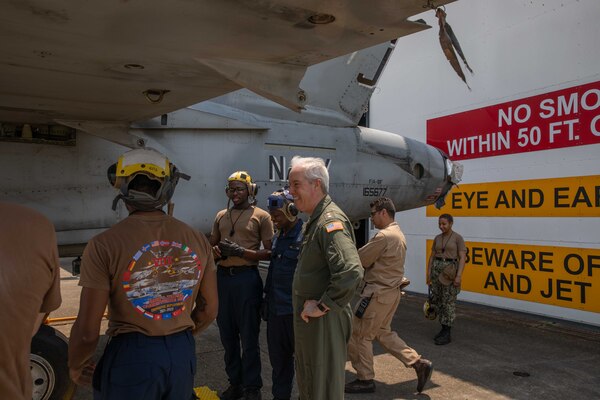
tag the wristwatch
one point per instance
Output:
(321, 307)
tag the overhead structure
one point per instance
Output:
(132, 60)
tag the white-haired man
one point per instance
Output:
(328, 273)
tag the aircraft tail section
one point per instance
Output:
(344, 85)
(337, 92)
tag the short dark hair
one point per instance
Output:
(384, 203)
(447, 217)
(143, 183)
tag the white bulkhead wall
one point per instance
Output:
(517, 49)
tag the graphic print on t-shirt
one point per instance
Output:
(160, 277)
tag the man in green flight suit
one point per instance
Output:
(328, 273)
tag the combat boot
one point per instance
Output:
(444, 337)
(360, 386)
(423, 368)
(233, 392)
(440, 333)
(252, 394)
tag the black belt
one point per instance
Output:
(236, 270)
(446, 259)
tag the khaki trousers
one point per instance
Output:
(376, 325)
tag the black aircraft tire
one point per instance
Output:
(49, 367)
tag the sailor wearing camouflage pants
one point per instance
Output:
(444, 275)
(443, 296)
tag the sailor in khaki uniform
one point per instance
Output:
(326, 277)
(383, 259)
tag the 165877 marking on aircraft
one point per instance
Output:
(374, 191)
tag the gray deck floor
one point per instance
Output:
(488, 347)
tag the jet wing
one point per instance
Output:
(119, 60)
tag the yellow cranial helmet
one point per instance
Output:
(429, 307)
(244, 177)
(153, 165)
(429, 310)
(147, 161)
(240, 176)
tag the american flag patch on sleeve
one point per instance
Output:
(334, 226)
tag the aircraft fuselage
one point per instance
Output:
(69, 183)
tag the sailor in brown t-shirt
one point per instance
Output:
(444, 275)
(237, 235)
(29, 288)
(158, 277)
(383, 260)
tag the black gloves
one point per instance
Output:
(231, 249)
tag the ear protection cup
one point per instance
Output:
(252, 189)
(172, 180)
(291, 209)
(111, 174)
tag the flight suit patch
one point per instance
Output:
(334, 226)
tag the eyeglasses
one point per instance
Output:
(374, 212)
(236, 190)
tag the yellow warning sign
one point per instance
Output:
(560, 276)
(554, 197)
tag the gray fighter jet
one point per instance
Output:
(81, 82)
(75, 77)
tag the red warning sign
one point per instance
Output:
(564, 118)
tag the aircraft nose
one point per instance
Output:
(414, 174)
(454, 171)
